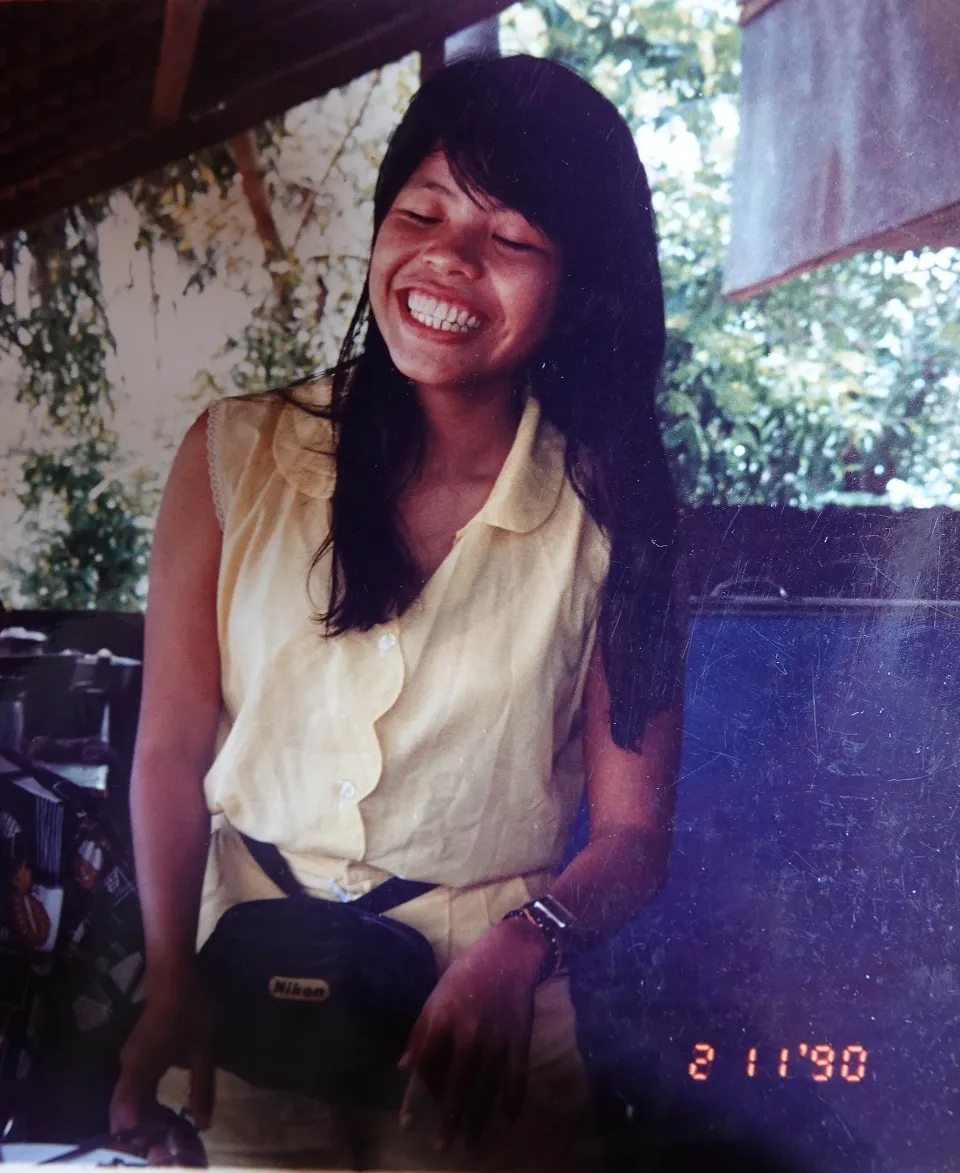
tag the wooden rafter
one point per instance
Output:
(254, 60)
(181, 27)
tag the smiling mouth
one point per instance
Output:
(442, 316)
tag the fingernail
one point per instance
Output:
(441, 1144)
(406, 1121)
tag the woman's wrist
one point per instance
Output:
(527, 945)
(555, 923)
(168, 975)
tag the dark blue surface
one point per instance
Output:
(812, 899)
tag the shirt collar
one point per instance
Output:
(528, 487)
(524, 494)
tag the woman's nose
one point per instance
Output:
(455, 252)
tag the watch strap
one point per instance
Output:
(556, 923)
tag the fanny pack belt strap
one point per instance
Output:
(390, 894)
(272, 862)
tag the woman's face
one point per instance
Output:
(463, 289)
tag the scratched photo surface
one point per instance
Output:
(185, 223)
(795, 979)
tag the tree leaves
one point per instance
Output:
(829, 388)
(87, 514)
(91, 543)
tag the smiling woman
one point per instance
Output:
(448, 261)
(403, 620)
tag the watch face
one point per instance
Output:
(554, 913)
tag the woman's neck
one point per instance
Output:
(468, 432)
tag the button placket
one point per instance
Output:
(387, 671)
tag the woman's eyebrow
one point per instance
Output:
(489, 204)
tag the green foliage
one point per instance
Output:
(86, 516)
(841, 385)
(88, 523)
(89, 542)
(61, 342)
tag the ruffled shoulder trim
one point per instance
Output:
(214, 462)
(304, 446)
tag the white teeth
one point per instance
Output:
(440, 315)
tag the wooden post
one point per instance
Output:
(478, 40)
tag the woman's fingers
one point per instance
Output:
(126, 1109)
(433, 1058)
(456, 1079)
(438, 1063)
(160, 1154)
(415, 1042)
(415, 1098)
(133, 1096)
(487, 1084)
(416, 1102)
(457, 1093)
(515, 1078)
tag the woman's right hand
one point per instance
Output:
(170, 1032)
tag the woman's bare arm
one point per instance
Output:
(630, 798)
(175, 745)
(179, 710)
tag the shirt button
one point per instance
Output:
(387, 642)
(347, 789)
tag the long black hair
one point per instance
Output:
(537, 138)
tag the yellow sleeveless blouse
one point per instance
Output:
(442, 746)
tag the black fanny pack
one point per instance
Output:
(315, 996)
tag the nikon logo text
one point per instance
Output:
(299, 989)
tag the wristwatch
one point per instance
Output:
(557, 923)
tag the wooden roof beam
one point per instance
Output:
(181, 27)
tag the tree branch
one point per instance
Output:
(337, 156)
(247, 158)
